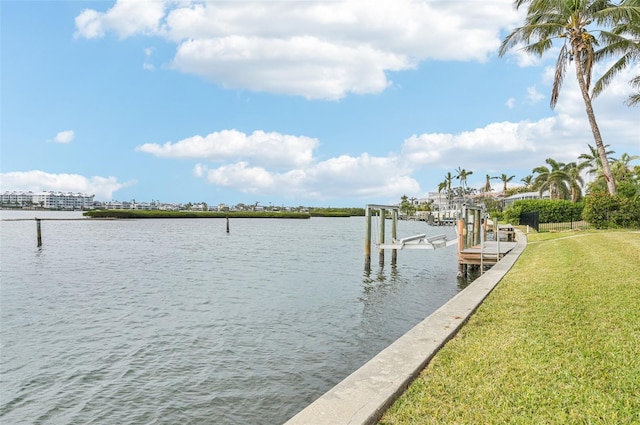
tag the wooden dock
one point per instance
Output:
(474, 250)
(487, 254)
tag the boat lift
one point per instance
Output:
(420, 241)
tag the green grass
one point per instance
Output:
(557, 342)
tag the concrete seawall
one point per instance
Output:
(362, 397)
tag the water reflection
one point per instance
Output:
(466, 279)
(379, 276)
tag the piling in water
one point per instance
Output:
(39, 232)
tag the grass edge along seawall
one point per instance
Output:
(363, 396)
(555, 342)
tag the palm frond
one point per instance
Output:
(610, 74)
(561, 66)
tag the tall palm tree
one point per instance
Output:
(462, 176)
(592, 159)
(441, 186)
(574, 22)
(448, 179)
(505, 180)
(487, 184)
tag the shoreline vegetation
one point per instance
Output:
(150, 214)
(555, 342)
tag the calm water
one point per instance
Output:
(176, 321)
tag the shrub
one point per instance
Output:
(512, 214)
(604, 211)
(550, 211)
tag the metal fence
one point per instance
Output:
(532, 219)
(559, 227)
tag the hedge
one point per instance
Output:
(550, 211)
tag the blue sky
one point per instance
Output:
(316, 103)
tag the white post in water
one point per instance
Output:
(497, 241)
(394, 235)
(367, 240)
(383, 217)
(481, 252)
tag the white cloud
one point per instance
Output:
(315, 49)
(302, 65)
(125, 18)
(511, 103)
(479, 146)
(37, 181)
(272, 149)
(148, 52)
(281, 164)
(533, 95)
(619, 125)
(362, 177)
(64, 136)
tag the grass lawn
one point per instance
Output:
(557, 342)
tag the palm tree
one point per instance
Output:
(487, 184)
(505, 180)
(623, 41)
(528, 181)
(448, 179)
(621, 169)
(462, 176)
(592, 159)
(574, 22)
(441, 187)
(634, 98)
(574, 181)
(553, 179)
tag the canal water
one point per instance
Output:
(177, 321)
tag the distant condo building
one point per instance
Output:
(50, 200)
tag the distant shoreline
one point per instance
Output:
(145, 214)
(129, 214)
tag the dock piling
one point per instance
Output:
(383, 219)
(382, 209)
(39, 231)
(394, 235)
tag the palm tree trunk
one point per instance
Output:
(611, 184)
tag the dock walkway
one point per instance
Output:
(489, 253)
